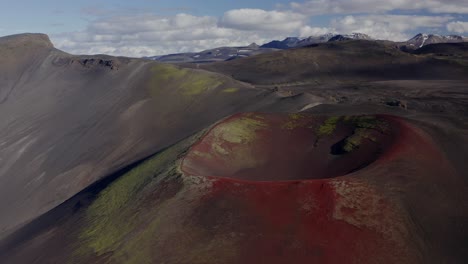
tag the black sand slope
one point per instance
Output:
(66, 121)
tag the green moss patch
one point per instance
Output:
(230, 90)
(328, 127)
(295, 120)
(198, 84)
(187, 82)
(114, 214)
(239, 131)
(363, 128)
(106, 224)
(368, 122)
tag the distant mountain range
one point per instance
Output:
(213, 55)
(421, 40)
(294, 42)
(418, 41)
(230, 53)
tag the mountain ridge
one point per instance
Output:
(37, 39)
(230, 53)
(417, 41)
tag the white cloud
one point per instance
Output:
(308, 31)
(146, 35)
(258, 19)
(137, 34)
(320, 7)
(148, 23)
(459, 27)
(390, 27)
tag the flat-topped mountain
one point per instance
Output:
(30, 39)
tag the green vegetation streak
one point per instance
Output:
(295, 120)
(328, 127)
(188, 82)
(111, 217)
(230, 90)
(363, 127)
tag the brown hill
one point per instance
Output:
(445, 49)
(357, 60)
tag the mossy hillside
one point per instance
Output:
(188, 82)
(328, 127)
(367, 122)
(167, 72)
(198, 84)
(354, 141)
(114, 214)
(108, 217)
(294, 121)
(198, 245)
(230, 90)
(240, 130)
(363, 128)
(234, 138)
(149, 217)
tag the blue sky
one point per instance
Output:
(153, 27)
(54, 16)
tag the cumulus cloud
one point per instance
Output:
(147, 34)
(258, 19)
(459, 27)
(137, 34)
(308, 31)
(320, 7)
(391, 27)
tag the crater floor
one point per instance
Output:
(282, 147)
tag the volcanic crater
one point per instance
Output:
(289, 147)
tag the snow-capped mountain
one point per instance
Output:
(350, 37)
(230, 53)
(293, 42)
(287, 43)
(213, 55)
(421, 40)
(315, 39)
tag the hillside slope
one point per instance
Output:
(67, 121)
(357, 60)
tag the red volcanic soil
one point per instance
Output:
(382, 200)
(275, 147)
(273, 189)
(319, 221)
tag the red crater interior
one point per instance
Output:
(282, 147)
(270, 182)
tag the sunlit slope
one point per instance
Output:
(66, 121)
